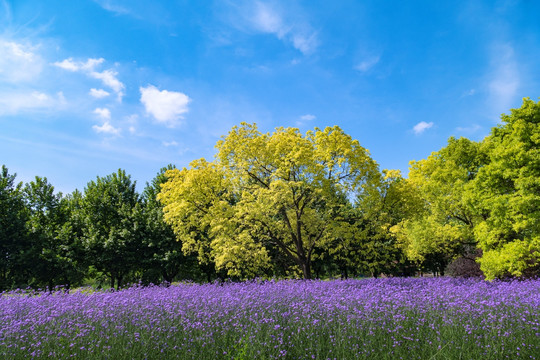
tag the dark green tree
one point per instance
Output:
(71, 234)
(366, 244)
(44, 224)
(14, 242)
(56, 249)
(113, 226)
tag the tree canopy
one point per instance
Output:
(443, 229)
(283, 191)
(507, 195)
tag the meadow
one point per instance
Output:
(392, 318)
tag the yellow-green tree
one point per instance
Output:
(444, 229)
(282, 190)
(507, 196)
(197, 204)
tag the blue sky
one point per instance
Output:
(87, 87)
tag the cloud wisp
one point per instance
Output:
(166, 107)
(106, 128)
(19, 62)
(367, 64)
(169, 143)
(111, 6)
(305, 119)
(103, 113)
(469, 130)
(98, 93)
(268, 18)
(108, 78)
(308, 117)
(12, 103)
(421, 127)
(504, 79)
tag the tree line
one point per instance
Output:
(107, 234)
(287, 204)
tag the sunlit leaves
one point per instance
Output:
(282, 190)
(508, 195)
(443, 230)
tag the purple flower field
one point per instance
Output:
(420, 318)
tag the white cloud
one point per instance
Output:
(70, 65)
(106, 128)
(308, 117)
(421, 127)
(12, 103)
(67, 64)
(167, 107)
(19, 62)
(41, 97)
(268, 18)
(469, 92)
(170, 143)
(504, 79)
(7, 12)
(103, 113)
(367, 64)
(107, 77)
(99, 93)
(306, 43)
(109, 6)
(61, 97)
(469, 129)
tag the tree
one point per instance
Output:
(114, 224)
(444, 229)
(282, 190)
(380, 207)
(508, 196)
(164, 252)
(195, 200)
(71, 237)
(14, 242)
(46, 217)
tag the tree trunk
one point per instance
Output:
(306, 270)
(167, 277)
(344, 273)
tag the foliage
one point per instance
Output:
(53, 258)
(279, 191)
(444, 229)
(113, 225)
(194, 200)
(14, 242)
(286, 204)
(164, 258)
(380, 207)
(71, 239)
(508, 196)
